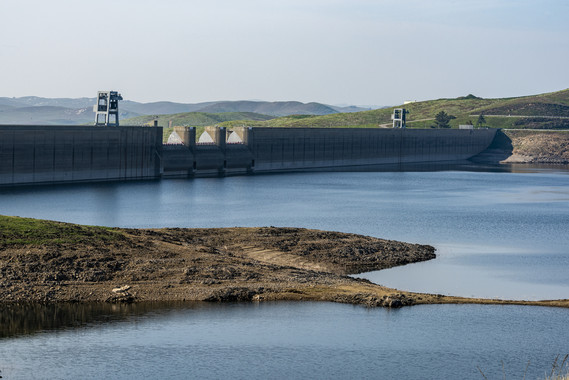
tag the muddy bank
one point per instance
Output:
(49, 262)
(43, 261)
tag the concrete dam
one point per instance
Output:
(61, 154)
(35, 154)
(263, 150)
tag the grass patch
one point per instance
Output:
(16, 231)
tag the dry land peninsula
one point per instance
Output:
(47, 262)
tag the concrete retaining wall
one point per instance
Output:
(57, 154)
(282, 149)
(278, 149)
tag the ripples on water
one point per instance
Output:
(288, 340)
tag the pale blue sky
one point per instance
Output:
(378, 52)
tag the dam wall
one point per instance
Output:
(284, 149)
(35, 154)
(60, 154)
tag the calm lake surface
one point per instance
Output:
(294, 340)
(498, 233)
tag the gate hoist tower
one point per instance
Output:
(398, 117)
(107, 108)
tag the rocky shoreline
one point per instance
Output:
(51, 262)
(549, 147)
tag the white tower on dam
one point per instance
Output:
(399, 118)
(107, 108)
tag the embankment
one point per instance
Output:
(42, 261)
(532, 147)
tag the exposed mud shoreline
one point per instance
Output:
(70, 263)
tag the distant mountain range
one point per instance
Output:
(272, 108)
(68, 111)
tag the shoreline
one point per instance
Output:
(52, 262)
(519, 146)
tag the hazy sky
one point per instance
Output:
(362, 52)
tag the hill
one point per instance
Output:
(159, 108)
(544, 111)
(195, 118)
(36, 101)
(50, 115)
(68, 111)
(280, 108)
(353, 108)
(271, 108)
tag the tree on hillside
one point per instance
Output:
(481, 121)
(442, 119)
(468, 97)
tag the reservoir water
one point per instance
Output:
(292, 341)
(498, 233)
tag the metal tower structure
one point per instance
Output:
(398, 117)
(107, 108)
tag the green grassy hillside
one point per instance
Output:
(271, 108)
(545, 111)
(193, 119)
(538, 111)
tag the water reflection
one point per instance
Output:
(465, 166)
(26, 319)
(292, 340)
